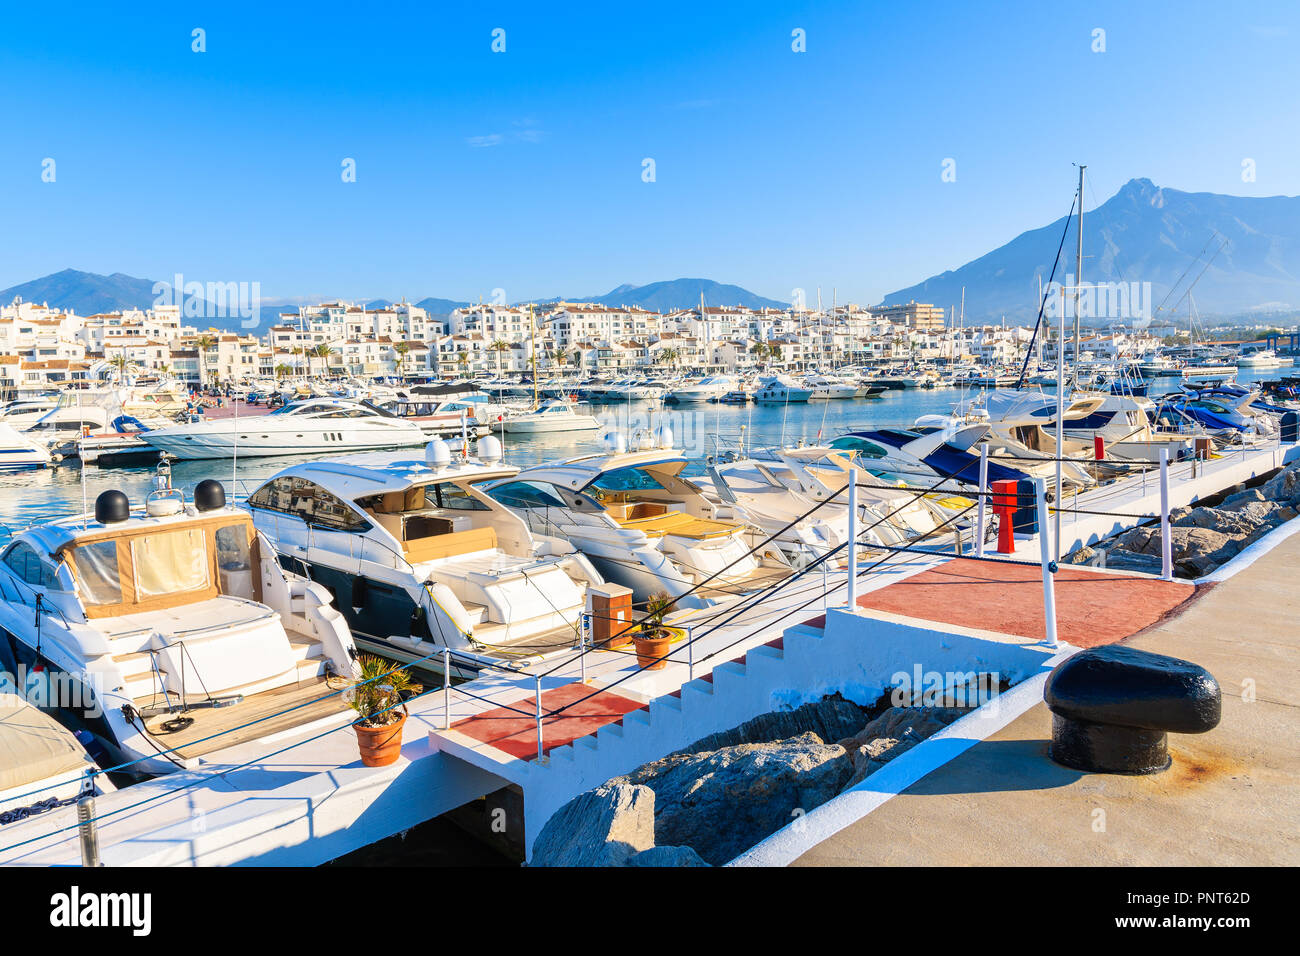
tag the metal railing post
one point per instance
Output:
(984, 487)
(1049, 566)
(582, 644)
(1166, 540)
(538, 680)
(853, 543)
(86, 823)
(690, 654)
(446, 688)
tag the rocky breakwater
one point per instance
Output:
(1203, 537)
(709, 803)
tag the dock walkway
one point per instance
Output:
(1231, 797)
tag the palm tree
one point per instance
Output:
(499, 346)
(282, 371)
(323, 351)
(400, 349)
(122, 365)
(670, 356)
(203, 343)
(462, 359)
(576, 358)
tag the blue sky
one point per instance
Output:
(522, 170)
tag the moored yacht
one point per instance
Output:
(553, 415)
(779, 389)
(419, 558)
(642, 524)
(303, 427)
(161, 633)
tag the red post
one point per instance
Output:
(1004, 506)
(1099, 447)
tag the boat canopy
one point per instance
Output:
(150, 567)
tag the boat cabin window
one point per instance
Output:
(23, 560)
(527, 494)
(97, 573)
(627, 479)
(863, 447)
(169, 562)
(309, 501)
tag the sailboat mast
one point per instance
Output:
(1078, 276)
(532, 350)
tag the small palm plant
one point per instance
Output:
(378, 692)
(657, 607)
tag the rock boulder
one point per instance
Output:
(602, 827)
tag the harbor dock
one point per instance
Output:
(309, 800)
(1230, 798)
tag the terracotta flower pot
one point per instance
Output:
(650, 648)
(380, 746)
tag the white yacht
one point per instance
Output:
(553, 415)
(418, 557)
(708, 389)
(777, 488)
(779, 389)
(1259, 358)
(825, 388)
(44, 766)
(18, 452)
(162, 632)
(642, 524)
(305, 427)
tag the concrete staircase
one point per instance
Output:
(853, 654)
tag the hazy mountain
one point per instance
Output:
(85, 293)
(680, 294)
(1144, 233)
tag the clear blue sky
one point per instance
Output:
(522, 170)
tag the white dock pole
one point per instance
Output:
(539, 717)
(1045, 549)
(446, 688)
(1166, 540)
(984, 487)
(853, 543)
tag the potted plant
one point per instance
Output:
(652, 638)
(378, 696)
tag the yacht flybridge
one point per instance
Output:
(419, 558)
(304, 427)
(161, 633)
(642, 524)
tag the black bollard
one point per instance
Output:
(1114, 707)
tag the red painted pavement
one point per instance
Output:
(516, 733)
(1091, 608)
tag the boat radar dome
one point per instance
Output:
(615, 442)
(664, 436)
(489, 448)
(209, 495)
(111, 507)
(437, 454)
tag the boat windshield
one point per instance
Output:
(626, 479)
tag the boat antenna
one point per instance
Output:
(85, 498)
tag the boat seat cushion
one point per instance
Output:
(680, 525)
(450, 545)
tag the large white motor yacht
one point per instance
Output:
(419, 558)
(642, 524)
(305, 427)
(162, 633)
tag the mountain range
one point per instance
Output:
(1240, 255)
(1144, 233)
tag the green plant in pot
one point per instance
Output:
(377, 696)
(652, 638)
